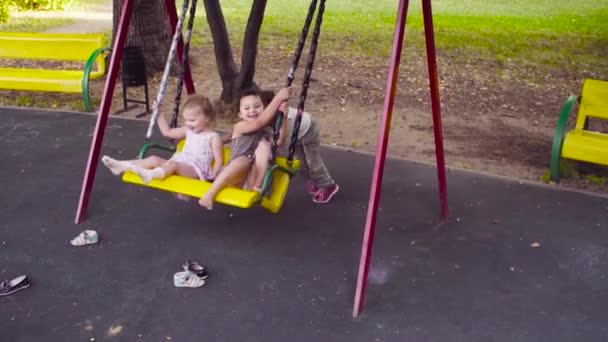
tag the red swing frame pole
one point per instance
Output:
(104, 110)
(376, 187)
(108, 93)
(431, 57)
(372, 210)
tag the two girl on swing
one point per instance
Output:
(249, 153)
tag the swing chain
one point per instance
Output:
(163, 83)
(183, 65)
(280, 116)
(306, 82)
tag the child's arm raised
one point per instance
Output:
(284, 107)
(217, 147)
(226, 138)
(246, 127)
(172, 133)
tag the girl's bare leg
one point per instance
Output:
(119, 166)
(262, 154)
(233, 174)
(251, 176)
(168, 168)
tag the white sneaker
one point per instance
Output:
(187, 279)
(85, 238)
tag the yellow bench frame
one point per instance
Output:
(580, 143)
(89, 48)
(235, 197)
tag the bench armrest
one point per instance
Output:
(85, 77)
(558, 138)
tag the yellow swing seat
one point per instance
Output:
(231, 196)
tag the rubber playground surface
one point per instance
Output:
(515, 262)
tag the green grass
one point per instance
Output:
(93, 5)
(40, 21)
(543, 33)
(32, 24)
(550, 34)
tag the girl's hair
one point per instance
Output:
(245, 93)
(250, 92)
(267, 96)
(201, 103)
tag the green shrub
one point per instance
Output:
(42, 5)
(3, 12)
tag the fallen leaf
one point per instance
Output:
(114, 330)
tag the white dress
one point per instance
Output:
(197, 152)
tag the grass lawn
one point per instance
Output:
(33, 24)
(553, 34)
(543, 33)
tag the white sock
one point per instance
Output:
(148, 175)
(116, 166)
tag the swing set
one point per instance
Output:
(282, 168)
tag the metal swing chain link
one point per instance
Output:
(163, 82)
(306, 82)
(280, 116)
(183, 65)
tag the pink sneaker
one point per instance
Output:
(312, 188)
(324, 195)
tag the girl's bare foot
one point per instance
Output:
(206, 202)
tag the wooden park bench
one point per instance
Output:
(86, 48)
(581, 143)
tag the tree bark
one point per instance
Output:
(149, 29)
(250, 44)
(233, 79)
(226, 66)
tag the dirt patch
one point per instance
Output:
(496, 118)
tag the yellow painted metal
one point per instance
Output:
(280, 183)
(584, 145)
(594, 101)
(47, 46)
(197, 188)
(65, 81)
(230, 196)
(588, 146)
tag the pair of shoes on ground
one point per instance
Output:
(11, 286)
(322, 195)
(194, 275)
(85, 238)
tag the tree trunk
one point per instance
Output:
(250, 44)
(149, 29)
(233, 79)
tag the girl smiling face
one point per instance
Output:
(195, 119)
(250, 107)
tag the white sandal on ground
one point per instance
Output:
(87, 237)
(187, 279)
